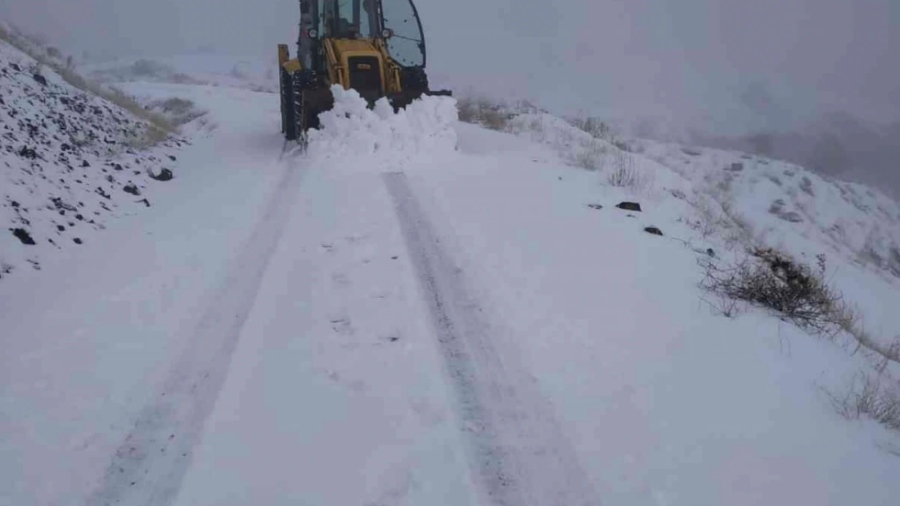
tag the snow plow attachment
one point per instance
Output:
(359, 49)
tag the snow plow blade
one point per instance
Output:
(313, 102)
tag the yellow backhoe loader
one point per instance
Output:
(375, 47)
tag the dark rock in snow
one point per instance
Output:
(595, 206)
(736, 167)
(78, 240)
(27, 152)
(145, 202)
(630, 206)
(40, 79)
(791, 216)
(132, 189)
(61, 228)
(164, 175)
(653, 230)
(59, 204)
(172, 158)
(100, 191)
(23, 235)
(85, 163)
(710, 252)
(15, 67)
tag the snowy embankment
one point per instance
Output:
(70, 163)
(416, 311)
(733, 201)
(91, 341)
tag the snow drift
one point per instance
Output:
(379, 138)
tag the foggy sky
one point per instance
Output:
(727, 66)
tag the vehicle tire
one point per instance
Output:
(288, 117)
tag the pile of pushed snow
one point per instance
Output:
(380, 138)
(69, 162)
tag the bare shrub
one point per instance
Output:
(147, 68)
(724, 306)
(806, 185)
(596, 127)
(739, 230)
(591, 156)
(708, 223)
(624, 174)
(177, 110)
(599, 129)
(483, 111)
(771, 279)
(622, 145)
(872, 396)
(181, 78)
(150, 137)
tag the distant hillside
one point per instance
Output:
(203, 69)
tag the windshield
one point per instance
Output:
(348, 18)
(407, 46)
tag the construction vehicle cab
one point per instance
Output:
(375, 47)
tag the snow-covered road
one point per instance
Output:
(103, 348)
(408, 325)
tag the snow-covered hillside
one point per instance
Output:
(422, 311)
(785, 205)
(70, 162)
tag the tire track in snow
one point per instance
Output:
(149, 465)
(517, 448)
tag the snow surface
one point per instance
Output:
(418, 311)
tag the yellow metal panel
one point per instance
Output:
(344, 49)
(283, 54)
(292, 65)
(344, 45)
